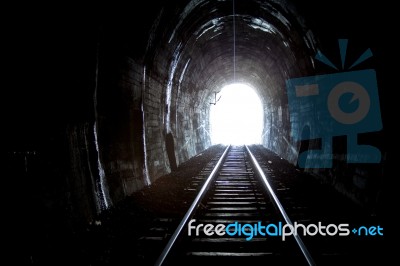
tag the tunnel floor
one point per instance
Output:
(115, 237)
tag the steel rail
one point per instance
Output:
(271, 192)
(190, 211)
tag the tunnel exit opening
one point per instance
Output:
(236, 116)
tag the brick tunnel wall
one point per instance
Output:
(136, 143)
(175, 127)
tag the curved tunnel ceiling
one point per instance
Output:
(267, 39)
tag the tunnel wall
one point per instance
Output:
(154, 109)
(360, 182)
(120, 123)
(142, 133)
(175, 121)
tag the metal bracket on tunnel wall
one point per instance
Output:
(344, 103)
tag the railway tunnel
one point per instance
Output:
(126, 95)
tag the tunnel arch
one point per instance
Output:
(200, 44)
(188, 54)
(146, 82)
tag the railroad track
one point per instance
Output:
(237, 196)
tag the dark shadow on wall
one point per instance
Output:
(304, 144)
(169, 142)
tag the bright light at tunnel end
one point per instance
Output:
(237, 117)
